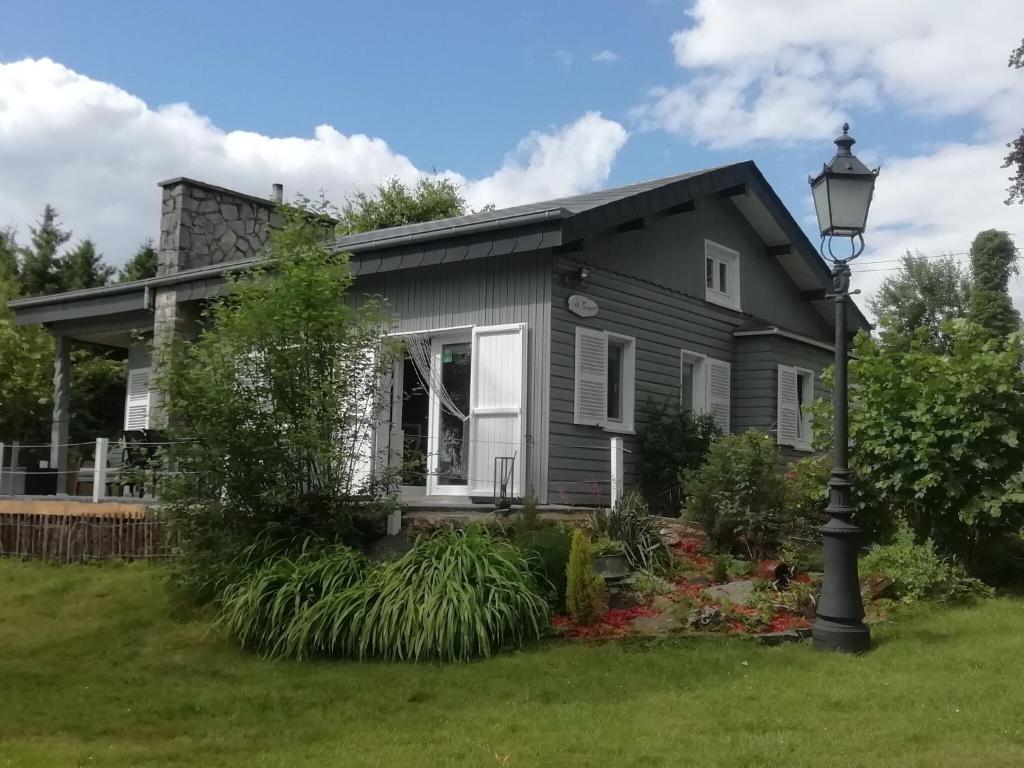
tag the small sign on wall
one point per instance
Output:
(582, 306)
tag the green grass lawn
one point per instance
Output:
(96, 669)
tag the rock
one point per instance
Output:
(877, 585)
(736, 592)
(705, 617)
(657, 626)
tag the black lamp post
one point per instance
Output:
(842, 195)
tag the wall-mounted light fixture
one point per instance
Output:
(580, 274)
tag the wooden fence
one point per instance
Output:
(75, 536)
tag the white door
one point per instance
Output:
(498, 395)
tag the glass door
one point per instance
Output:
(449, 434)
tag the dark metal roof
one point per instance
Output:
(559, 208)
(521, 228)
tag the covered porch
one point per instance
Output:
(133, 318)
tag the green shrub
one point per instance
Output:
(936, 437)
(720, 568)
(456, 595)
(585, 590)
(630, 522)
(738, 496)
(548, 550)
(670, 439)
(919, 572)
(805, 488)
(259, 609)
(648, 586)
(608, 546)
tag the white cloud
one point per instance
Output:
(936, 204)
(606, 57)
(97, 152)
(786, 70)
(790, 71)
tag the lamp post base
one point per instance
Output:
(843, 636)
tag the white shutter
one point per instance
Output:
(136, 411)
(788, 411)
(719, 393)
(497, 413)
(362, 438)
(591, 393)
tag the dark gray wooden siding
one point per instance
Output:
(495, 291)
(663, 322)
(649, 284)
(670, 252)
(755, 390)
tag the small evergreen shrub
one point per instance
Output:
(548, 551)
(738, 496)
(919, 572)
(630, 522)
(585, 591)
(671, 439)
(456, 595)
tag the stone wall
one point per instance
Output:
(202, 224)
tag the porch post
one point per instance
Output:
(61, 405)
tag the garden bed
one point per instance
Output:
(765, 600)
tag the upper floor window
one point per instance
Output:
(721, 275)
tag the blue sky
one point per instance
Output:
(460, 86)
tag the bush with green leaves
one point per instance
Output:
(919, 572)
(547, 548)
(259, 609)
(738, 497)
(584, 598)
(805, 495)
(630, 523)
(670, 439)
(936, 438)
(276, 402)
(456, 595)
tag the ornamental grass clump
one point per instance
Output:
(455, 596)
(630, 523)
(259, 609)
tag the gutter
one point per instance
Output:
(216, 270)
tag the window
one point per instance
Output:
(705, 387)
(795, 393)
(721, 275)
(604, 386)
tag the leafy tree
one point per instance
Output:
(1015, 157)
(993, 261)
(8, 256)
(278, 399)
(924, 293)
(141, 265)
(936, 437)
(393, 204)
(98, 382)
(82, 267)
(26, 376)
(38, 266)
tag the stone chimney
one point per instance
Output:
(278, 194)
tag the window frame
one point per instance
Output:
(700, 379)
(719, 256)
(805, 382)
(627, 375)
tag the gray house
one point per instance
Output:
(545, 329)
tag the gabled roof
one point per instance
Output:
(547, 224)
